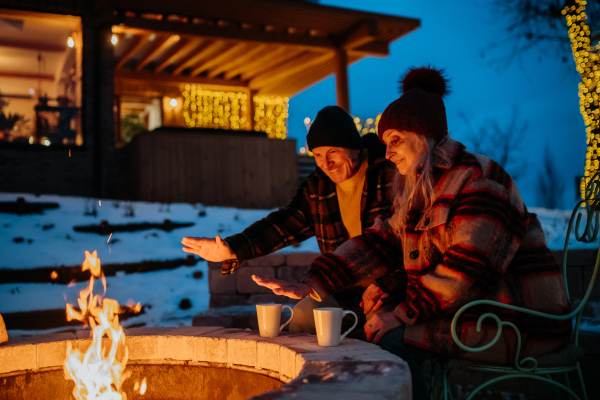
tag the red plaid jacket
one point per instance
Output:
(314, 211)
(476, 242)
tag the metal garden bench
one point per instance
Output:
(542, 368)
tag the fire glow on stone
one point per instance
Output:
(99, 371)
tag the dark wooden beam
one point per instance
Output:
(230, 53)
(365, 32)
(158, 46)
(149, 78)
(25, 75)
(176, 52)
(288, 68)
(239, 68)
(32, 45)
(205, 50)
(341, 79)
(297, 83)
(375, 49)
(138, 43)
(186, 60)
(276, 57)
(242, 59)
(232, 32)
(302, 15)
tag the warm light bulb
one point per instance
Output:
(173, 103)
(114, 39)
(71, 42)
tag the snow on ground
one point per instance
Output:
(60, 245)
(160, 291)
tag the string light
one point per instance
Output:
(270, 115)
(586, 63)
(214, 109)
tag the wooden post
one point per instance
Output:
(341, 79)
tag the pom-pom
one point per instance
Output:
(429, 79)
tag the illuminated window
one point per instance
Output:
(41, 82)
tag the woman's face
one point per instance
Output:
(402, 149)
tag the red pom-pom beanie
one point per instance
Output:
(421, 108)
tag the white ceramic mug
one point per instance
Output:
(269, 317)
(328, 322)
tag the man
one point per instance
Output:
(349, 189)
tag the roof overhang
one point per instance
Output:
(274, 47)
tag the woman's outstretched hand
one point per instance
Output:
(292, 290)
(377, 326)
(373, 298)
(210, 249)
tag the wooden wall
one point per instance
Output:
(224, 169)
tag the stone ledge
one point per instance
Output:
(351, 367)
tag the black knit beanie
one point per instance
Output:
(333, 127)
(421, 108)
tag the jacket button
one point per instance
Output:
(410, 314)
(414, 254)
(426, 222)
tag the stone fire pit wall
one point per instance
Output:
(178, 361)
(238, 289)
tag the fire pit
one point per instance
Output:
(212, 363)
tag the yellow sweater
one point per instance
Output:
(349, 194)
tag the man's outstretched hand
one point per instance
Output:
(210, 249)
(290, 289)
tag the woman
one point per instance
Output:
(461, 232)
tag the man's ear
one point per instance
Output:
(357, 155)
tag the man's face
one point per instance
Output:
(338, 163)
(401, 149)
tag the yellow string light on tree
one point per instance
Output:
(586, 62)
(270, 115)
(217, 109)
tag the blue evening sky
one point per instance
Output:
(457, 36)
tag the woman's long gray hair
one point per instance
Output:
(416, 189)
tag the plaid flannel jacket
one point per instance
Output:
(314, 211)
(478, 241)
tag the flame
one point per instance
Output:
(98, 372)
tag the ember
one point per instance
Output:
(98, 372)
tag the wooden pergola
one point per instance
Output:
(265, 47)
(257, 53)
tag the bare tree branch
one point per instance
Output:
(550, 186)
(539, 24)
(498, 142)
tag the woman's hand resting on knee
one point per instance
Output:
(292, 290)
(377, 326)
